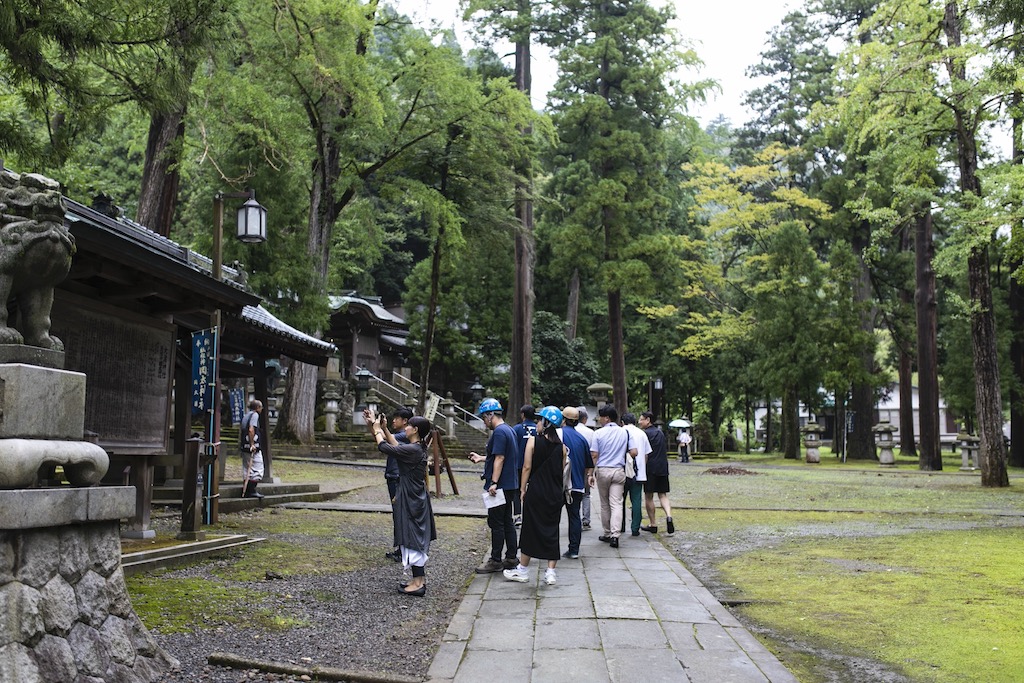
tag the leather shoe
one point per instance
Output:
(605, 539)
(394, 555)
(615, 542)
(419, 592)
(634, 533)
(652, 529)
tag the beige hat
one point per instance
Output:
(570, 413)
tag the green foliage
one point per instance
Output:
(66, 66)
(563, 369)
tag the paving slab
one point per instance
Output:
(614, 614)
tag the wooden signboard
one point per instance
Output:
(128, 362)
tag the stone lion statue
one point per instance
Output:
(35, 255)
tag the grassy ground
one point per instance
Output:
(849, 572)
(918, 572)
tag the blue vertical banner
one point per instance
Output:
(202, 371)
(237, 396)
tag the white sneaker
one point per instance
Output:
(517, 520)
(549, 577)
(517, 574)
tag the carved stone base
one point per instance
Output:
(66, 611)
(32, 355)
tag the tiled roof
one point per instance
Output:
(261, 317)
(376, 309)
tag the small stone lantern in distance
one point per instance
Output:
(812, 441)
(883, 439)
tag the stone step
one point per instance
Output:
(239, 504)
(186, 551)
(170, 494)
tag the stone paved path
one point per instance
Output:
(616, 614)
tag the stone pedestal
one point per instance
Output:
(42, 416)
(66, 615)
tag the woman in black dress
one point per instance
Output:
(413, 516)
(543, 497)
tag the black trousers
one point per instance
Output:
(503, 530)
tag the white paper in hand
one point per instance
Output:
(494, 501)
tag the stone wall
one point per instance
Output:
(65, 614)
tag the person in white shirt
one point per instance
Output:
(611, 446)
(636, 471)
(684, 439)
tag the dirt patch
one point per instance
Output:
(727, 470)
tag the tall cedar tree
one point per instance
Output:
(610, 105)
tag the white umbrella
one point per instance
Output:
(679, 423)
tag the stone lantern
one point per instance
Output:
(599, 392)
(883, 439)
(969, 447)
(448, 410)
(477, 391)
(331, 409)
(363, 377)
(373, 400)
(812, 441)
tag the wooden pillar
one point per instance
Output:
(259, 380)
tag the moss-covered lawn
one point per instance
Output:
(927, 579)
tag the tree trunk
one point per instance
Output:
(573, 312)
(715, 415)
(861, 443)
(839, 438)
(295, 417)
(435, 279)
(905, 346)
(1017, 307)
(428, 336)
(908, 447)
(300, 394)
(521, 370)
(930, 457)
(618, 356)
(790, 423)
(159, 191)
(988, 401)
(768, 435)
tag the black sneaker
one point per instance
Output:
(570, 556)
(671, 526)
(615, 543)
(652, 529)
(510, 563)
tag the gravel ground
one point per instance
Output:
(355, 621)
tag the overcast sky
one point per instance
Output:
(728, 35)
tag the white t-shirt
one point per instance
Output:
(639, 441)
(587, 433)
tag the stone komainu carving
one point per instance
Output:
(35, 255)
